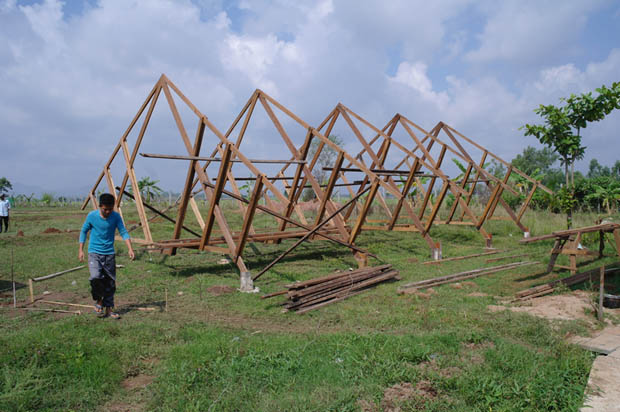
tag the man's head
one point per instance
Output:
(2, 196)
(106, 204)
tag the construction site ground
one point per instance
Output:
(188, 340)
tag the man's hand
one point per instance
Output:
(132, 255)
(81, 255)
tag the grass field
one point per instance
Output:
(214, 351)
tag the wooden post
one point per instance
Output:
(187, 189)
(196, 210)
(601, 293)
(473, 186)
(362, 216)
(330, 188)
(405, 192)
(215, 199)
(435, 210)
(458, 196)
(31, 287)
(295, 188)
(249, 216)
(429, 190)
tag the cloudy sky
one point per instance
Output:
(74, 73)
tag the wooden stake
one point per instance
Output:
(13, 280)
(31, 287)
(601, 293)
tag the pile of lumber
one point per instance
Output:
(457, 277)
(315, 293)
(588, 276)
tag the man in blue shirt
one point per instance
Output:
(102, 224)
(5, 207)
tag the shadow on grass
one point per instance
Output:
(7, 286)
(256, 264)
(135, 307)
(533, 276)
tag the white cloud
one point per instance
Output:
(527, 31)
(414, 76)
(255, 57)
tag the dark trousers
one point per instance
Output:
(102, 278)
(103, 289)
(4, 219)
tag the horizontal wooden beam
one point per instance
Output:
(376, 171)
(217, 159)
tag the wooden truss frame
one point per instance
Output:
(342, 225)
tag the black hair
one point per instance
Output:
(106, 199)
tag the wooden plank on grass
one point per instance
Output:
(432, 262)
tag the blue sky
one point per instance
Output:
(74, 73)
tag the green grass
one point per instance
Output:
(238, 352)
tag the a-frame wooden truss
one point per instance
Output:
(281, 194)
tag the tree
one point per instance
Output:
(597, 170)
(605, 195)
(5, 185)
(615, 170)
(148, 188)
(47, 199)
(562, 126)
(557, 134)
(533, 159)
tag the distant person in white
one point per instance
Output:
(5, 206)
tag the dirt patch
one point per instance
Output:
(473, 353)
(52, 230)
(433, 366)
(218, 290)
(83, 298)
(479, 346)
(395, 396)
(366, 406)
(477, 294)
(123, 407)
(568, 306)
(20, 233)
(469, 284)
(137, 382)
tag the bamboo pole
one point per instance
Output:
(53, 275)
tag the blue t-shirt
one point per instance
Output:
(102, 234)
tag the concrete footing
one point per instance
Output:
(247, 285)
(436, 253)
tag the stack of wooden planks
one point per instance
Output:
(315, 293)
(457, 277)
(590, 275)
